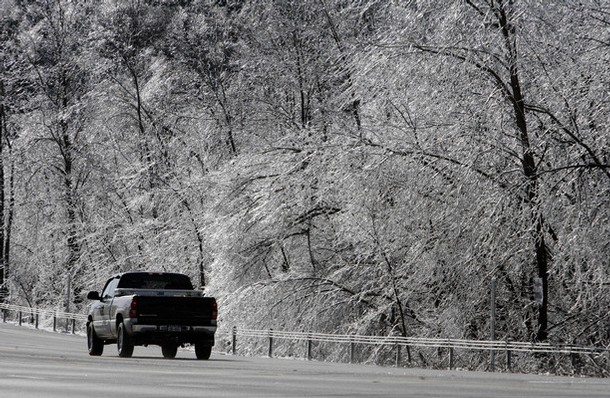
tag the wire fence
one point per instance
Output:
(486, 345)
(61, 320)
(402, 346)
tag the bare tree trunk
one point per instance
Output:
(3, 265)
(200, 241)
(66, 149)
(529, 167)
(9, 214)
(303, 95)
(391, 275)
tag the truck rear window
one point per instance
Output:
(145, 280)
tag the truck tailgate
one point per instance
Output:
(192, 311)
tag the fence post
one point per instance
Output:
(309, 347)
(352, 347)
(408, 349)
(73, 325)
(54, 322)
(450, 358)
(36, 320)
(509, 360)
(234, 340)
(270, 343)
(492, 322)
(20, 317)
(398, 355)
(4, 310)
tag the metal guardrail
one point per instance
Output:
(36, 313)
(508, 347)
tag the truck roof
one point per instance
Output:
(149, 272)
(154, 280)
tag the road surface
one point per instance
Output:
(35, 363)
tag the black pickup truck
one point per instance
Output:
(151, 308)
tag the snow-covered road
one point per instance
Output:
(36, 363)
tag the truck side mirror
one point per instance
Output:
(93, 296)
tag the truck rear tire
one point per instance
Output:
(95, 345)
(124, 342)
(203, 351)
(169, 350)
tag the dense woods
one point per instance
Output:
(349, 166)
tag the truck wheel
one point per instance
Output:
(203, 351)
(169, 350)
(95, 345)
(124, 342)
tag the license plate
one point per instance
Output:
(173, 328)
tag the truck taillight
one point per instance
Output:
(214, 310)
(133, 308)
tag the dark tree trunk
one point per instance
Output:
(529, 168)
(3, 265)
